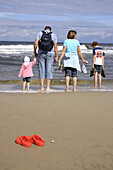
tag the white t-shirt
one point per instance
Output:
(99, 53)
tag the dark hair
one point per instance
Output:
(71, 34)
(95, 43)
(47, 27)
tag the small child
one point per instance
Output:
(26, 71)
(98, 62)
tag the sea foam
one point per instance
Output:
(19, 49)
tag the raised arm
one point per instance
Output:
(35, 47)
(34, 61)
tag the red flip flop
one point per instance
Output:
(25, 142)
(38, 140)
(30, 138)
(22, 140)
(18, 140)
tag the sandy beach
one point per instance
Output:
(81, 125)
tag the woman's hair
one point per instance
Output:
(71, 34)
(95, 43)
(47, 28)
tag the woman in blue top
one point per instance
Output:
(71, 49)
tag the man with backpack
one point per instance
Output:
(47, 44)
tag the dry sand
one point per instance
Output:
(81, 124)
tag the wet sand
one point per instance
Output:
(81, 125)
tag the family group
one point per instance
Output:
(46, 41)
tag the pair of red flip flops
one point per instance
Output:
(27, 141)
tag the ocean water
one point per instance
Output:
(12, 55)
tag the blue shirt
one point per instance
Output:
(71, 45)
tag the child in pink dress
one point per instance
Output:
(26, 71)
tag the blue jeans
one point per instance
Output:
(45, 62)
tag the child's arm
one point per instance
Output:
(93, 61)
(21, 71)
(62, 54)
(34, 62)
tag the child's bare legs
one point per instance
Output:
(28, 85)
(74, 83)
(95, 80)
(24, 85)
(67, 83)
(99, 76)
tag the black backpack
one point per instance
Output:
(46, 42)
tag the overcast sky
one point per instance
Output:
(21, 20)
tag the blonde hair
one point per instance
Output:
(71, 34)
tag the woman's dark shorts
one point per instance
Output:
(69, 71)
(27, 79)
(98, 68)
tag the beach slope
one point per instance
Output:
(81, 125)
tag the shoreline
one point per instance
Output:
(57, 82)
(57, 86)
(17, 88)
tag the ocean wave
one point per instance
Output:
(16, 46)
(25, 49)
(17, 49)
(108, 51)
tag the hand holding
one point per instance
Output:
(59, 62)
(55, 59)
(85, 62)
